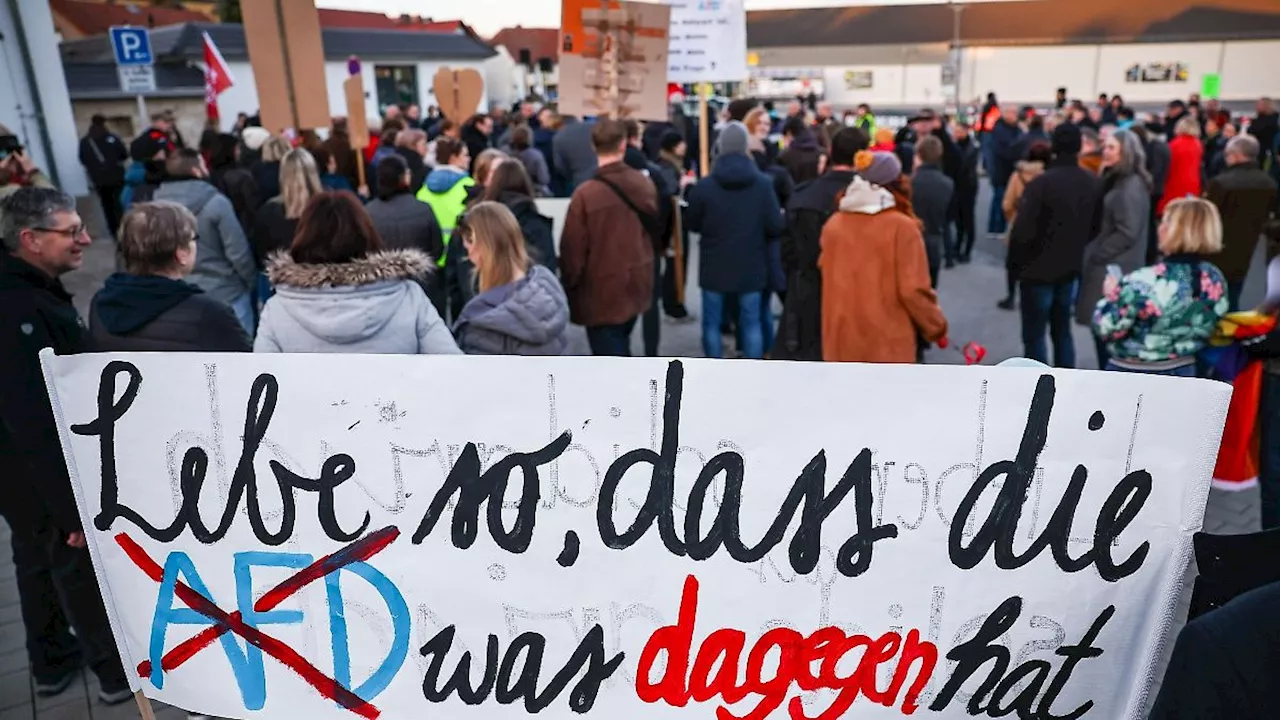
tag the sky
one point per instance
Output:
(490, 16)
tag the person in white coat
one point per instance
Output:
(339, 290)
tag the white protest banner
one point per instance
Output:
(708, 41)
(333, 536)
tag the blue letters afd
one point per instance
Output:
(246, 663)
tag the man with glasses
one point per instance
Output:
(44, 238)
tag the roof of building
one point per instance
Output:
(184, 42)
(94, 18)
(98, 81)
(358, 19)
(1035, 22)
(540, 42)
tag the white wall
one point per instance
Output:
(1251, 69)
(1030, 75)
(501, 79)
(243, 95)
(17, 103)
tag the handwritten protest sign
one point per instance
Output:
(334, 536)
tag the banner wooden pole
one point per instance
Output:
(677, 243)
(704, 152)
(144, 706)
(360, 170)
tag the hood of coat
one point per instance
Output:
(522, 206)
(532, 310)
(344, 303)
(444, 177)
(865, 198)
(128, 302)
(735, 171)
(189, 192)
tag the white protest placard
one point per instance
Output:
(332, 536)
(708, 41)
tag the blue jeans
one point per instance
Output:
(611, 340)
(1049, 306)
(244, 310)
(1269, 473)
(996, 222)
(750, 327)
(1184, 371)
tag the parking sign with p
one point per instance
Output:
(132, 45)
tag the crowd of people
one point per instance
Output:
(431, 242)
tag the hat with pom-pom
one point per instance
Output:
(878, 168)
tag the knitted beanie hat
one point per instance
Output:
(733, 139)
(878, 168)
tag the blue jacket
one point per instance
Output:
(736, 212)
(1004, 152)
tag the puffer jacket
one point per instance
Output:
(1165, 311)
(526, 317)
(370, 305)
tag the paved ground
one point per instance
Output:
(968, 296)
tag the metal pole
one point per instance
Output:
(144, 120)
(957, 53)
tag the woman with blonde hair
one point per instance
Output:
(521, 309)
(277, 220)
(1155, 319)
(1186, 158)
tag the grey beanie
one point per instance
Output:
(733, 140)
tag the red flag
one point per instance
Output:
(217, 77)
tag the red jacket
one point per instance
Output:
(1185, 168)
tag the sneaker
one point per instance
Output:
(686, 319)
(113, 695)
(57, 686)
(1006, 304)
(951, 264)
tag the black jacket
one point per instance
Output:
(539, 238)
(1246, 200)
(1060, 212)
(241, 189)
(801, 158)
(267, 177)
(1158, 159)
(271, 231)
(1005, 148)
(417, 167)
(1224, 663)
(1265, 128)
(736, 212)
(151, 314)
(103, 156)
(476, 142)
(800, 329)
(35, 313)
(967, 181)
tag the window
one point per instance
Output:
(396, 85)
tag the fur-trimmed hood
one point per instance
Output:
(378, 267)
(341, 305)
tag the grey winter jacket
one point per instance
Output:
(573, 155)
(1121, 240)
(404, 222)
(931, 193)
(370, 305)
(225, 268)
(526, 317)
(536, 165)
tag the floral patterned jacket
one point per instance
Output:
(1162, 312)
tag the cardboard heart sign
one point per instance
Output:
(458, 92)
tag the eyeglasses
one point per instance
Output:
(71, 232)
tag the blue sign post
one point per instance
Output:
(135, 65)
